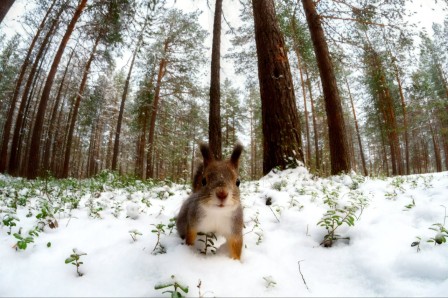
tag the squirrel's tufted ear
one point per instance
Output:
(206, 154)
(235, 157)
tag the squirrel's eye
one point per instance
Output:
(238, 182)
(204, 182)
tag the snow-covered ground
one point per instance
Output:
(282, 255)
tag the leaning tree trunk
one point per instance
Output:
(79, 96)
(120, 113)
(15, 152)
(5, 5)
(214, 126)
(339, 150)
(9, 117)
(282, 142)
(155, 107)
(52, 123)
(33, 169)
(361, 151)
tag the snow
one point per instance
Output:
(282, 255)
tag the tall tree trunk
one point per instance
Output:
(435, 142)
(52, 123)
(313, 112)
(14, 155)
(155, 105)
(358, 135)
(214, 126)
(282, 144)
(339, 150)
(405, 121)
(79, 96)
(34, 158)
(307, 125)
(120, 113)
(10, 115)
(5, 5)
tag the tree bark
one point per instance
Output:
(68, 146)
(437, 155)
(120, 113)
(214, 128)
(5, 5)
(282, 144)
(10, 115)
(405, 121)
(339, 150)
(152, 126)
(361, 151)
(34, 158)
(52, 123)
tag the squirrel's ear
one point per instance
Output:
(235, 157)
(206, 154)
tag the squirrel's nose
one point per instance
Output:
(222, 194)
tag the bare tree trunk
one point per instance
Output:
(339, 150)
(27, 61)
(405, 121)
(120, 114)
(34, 158)
(282, 144)
(313, 112)
(79, 96)
(162, 69)
(5, 5)
(214, 126)
(50, 134)
(435, 142)
(361, 151)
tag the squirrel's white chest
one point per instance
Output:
(216, 220)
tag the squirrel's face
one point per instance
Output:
(221, 184)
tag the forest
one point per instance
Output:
(134, 86)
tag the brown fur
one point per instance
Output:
(220, 190)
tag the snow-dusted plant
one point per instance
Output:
(22, 242)
(338, 215)
(10, 220)
(158, 231)
(177, 290)
(74, 259)
(134, 233)
(269, 281)
(441, 231)
(132, 210)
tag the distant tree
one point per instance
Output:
(282, 144)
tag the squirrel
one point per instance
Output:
(214, 206)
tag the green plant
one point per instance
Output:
(339, 215)
(209, 242)
(409, 206)
(22, 242)
(175, 293)
(417, 243)
(158, 231)
(9, 220)
(134, 234)
(74, 259)
(441, 231)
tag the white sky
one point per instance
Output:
(427, 13)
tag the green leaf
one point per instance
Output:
(69, 260)
(49, 244)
